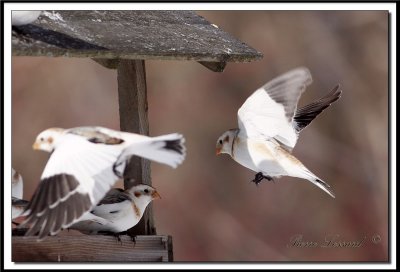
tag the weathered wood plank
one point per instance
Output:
(167, 35)
(92, 248)
(132, 96)
(113, 64)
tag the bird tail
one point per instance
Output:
(323, 185)
(167, 149)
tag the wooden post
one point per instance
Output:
(132, 96)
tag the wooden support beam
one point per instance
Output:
(132, 96)
(214, 66)
(108, 63)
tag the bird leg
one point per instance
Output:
(260, 176)
(133, 238)
(116, 235)
(269, 178)
(118, 238)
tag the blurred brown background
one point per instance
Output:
(208, 204)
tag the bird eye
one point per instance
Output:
(146, 191)
(41, 139)
(220, 141)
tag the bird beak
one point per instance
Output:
(218, 151)
(155, 194)
(36, 146)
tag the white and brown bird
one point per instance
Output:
(118, 211)
(85, 163)
(17, 188)
(269, 125)
(18, 205)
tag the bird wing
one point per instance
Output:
(19, 202)
(167, 149)
(268, 112)
(90, 223)
(109, 211)
(305, 115)
(77, 175)
(115, 195)
(90, 218)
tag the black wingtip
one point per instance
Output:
(336, 92)
(175, 145)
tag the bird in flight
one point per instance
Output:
(118, 211)
(269, 125)
(85, 162)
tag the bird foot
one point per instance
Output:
(260, 176)
(133, 239)
(116, 235)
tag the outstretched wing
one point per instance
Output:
(167, 149)
(269, 111)
(306, 114)
(78, 174)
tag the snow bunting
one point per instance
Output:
(118, 211)
(24, 17)
(84, 163)
(269, 125)
(18, 205)
(17, 182)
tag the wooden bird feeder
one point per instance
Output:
(123, 40)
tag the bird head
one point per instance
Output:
(225, 142)
(143, 194)
(47, 139)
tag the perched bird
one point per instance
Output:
(118, 211)
(24, 17)
(18, 205)
(269, 125)
(17, 188)
(84, 163)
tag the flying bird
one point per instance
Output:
(269, 125)
(85, 162)
(23, 17)
(118, 211)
